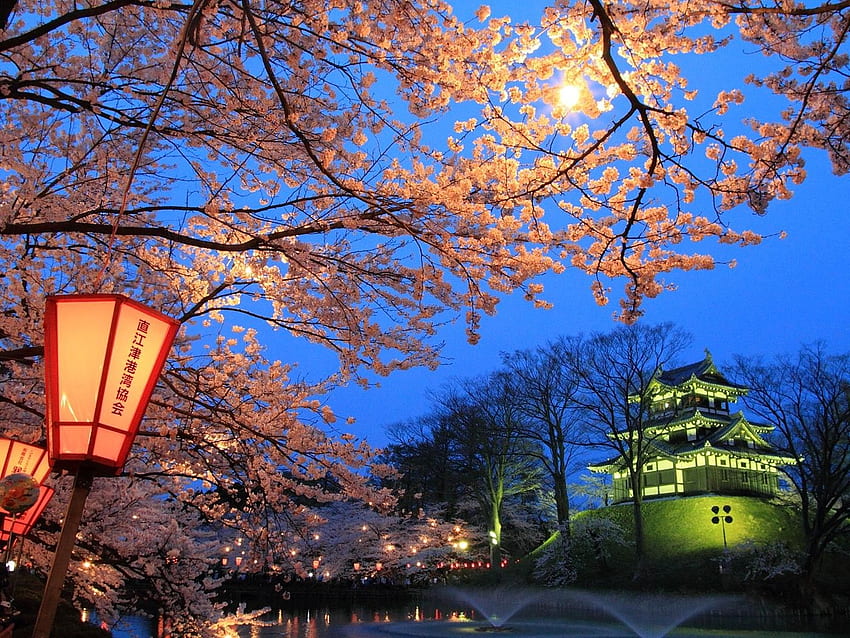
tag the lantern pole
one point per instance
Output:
(9, 542)
(62, 557)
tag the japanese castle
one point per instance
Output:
(694, 444)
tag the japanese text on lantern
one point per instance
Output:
(23, 464)
(130, 367)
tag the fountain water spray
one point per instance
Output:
(495, 605)
(648, 615)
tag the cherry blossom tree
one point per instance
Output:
(355, 542)
(594, 116)
(256, 167)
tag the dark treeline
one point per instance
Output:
(507, 451)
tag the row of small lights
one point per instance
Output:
(459, 545)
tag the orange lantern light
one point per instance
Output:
(23, 458)
(22, 524)
(103, 355)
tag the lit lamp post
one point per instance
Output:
(102, 357)
(721, 519)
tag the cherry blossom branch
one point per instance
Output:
(66, 18)
(826, 8)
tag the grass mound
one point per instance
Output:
(684, 546)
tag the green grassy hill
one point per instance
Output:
(683, 526)
(684, 548)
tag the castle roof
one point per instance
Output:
(721, 439)
(703, 371)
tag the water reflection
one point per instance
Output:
(336, 622)
(126, 627)
(441, 618)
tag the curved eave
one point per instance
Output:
(730, 390)
(761, 428)
(601, 469)
(694, 381)
(739, 423)
(608, 466)
(763, 456)
(697, 418)
(604, 468)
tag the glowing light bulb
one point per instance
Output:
(569, 95)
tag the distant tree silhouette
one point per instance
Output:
(807, 397)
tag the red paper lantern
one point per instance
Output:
(103, 355)
(22, 524)
(23, 458)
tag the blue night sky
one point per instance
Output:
(782, 294)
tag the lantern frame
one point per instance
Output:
(103, 355)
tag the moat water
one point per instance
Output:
(525, 614)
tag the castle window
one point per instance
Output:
(679, 436)
(650, 480)
(722, 461)
(650, 467)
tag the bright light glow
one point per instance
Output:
(569, 95)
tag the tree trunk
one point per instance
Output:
(495, 539)
(637, 513)
(562, 506)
